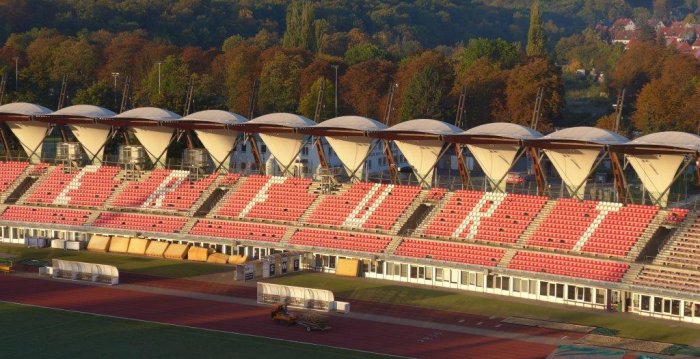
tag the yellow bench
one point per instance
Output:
(6, 268)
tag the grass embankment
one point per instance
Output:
(133, 264)
(625, 325)
(46, 333)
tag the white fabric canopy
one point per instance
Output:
(31, 135)
(422, 155)
(219, 143)
(573, 166)
(495, 160)
(155, 141)
(656, 173)
(284, 147)
(92, 138)
(352, 152)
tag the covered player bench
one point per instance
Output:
(84, 271)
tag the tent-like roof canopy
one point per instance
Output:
(208, 119)
(344, 126)
(280, 122)
(661, 142)
(578, 137)
(497, 132)
(24, 109)
(78, 114)
(144, 116)
(420, 129)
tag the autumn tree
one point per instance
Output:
(485, 85)
(521, 93)
(307, 105)
(666, 103)
(424, 80)
(637, 66)
(279, 83)
(237, 69)
(321, 66)
(364, 88)
(535, 35)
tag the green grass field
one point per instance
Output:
(134, 264)
(626, 325)
(32, 332)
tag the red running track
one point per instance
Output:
(347, 333)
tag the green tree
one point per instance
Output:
(279, 79)
(535, 35)
(485, 85)
(499, 52)
(101, 93)
(363, 52)
(300, 32)
(174, 79)
(307, 105)
(424, 95)
(232, 42)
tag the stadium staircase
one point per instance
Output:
(438, 204)
(189, 225)
(505, 261)
(17, 187)
(632, 273)
(683, 249)
(39, 180)
(204, 196)
(288, 233)
(409, 212)
(393, 245)
(92, 217)
(125, 177)
(647, 235)
(214, 212)
(535, 224)
(316, 189)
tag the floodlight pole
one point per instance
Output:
(16, 72)
(159, 63)
(115, 75)
(336, 89)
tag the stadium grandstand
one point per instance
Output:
(630, 244)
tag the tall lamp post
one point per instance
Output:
(16, 58)
(159, 63)
(336, 89)
(115, 75)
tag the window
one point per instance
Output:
(600, 296)
(543, 288)
(571, 292)
(516, 284)
(472, 278)
(480, 280)
(676, 307)
(243, 148)
(533, 286)
(688, 309)
(429, 273)
(645, 303)
(414, 272)
(505, 283)
(263, 149)
(389, 268)
(465, 278)
(331, 262)
(489, 281)
(658, 304)
(560, 291)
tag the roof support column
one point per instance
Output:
(618, 177)
(5, 144)
(393, 171)
(321, 153)
(426, 182)
(256, 154)
(462, 166)
(539, 174)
